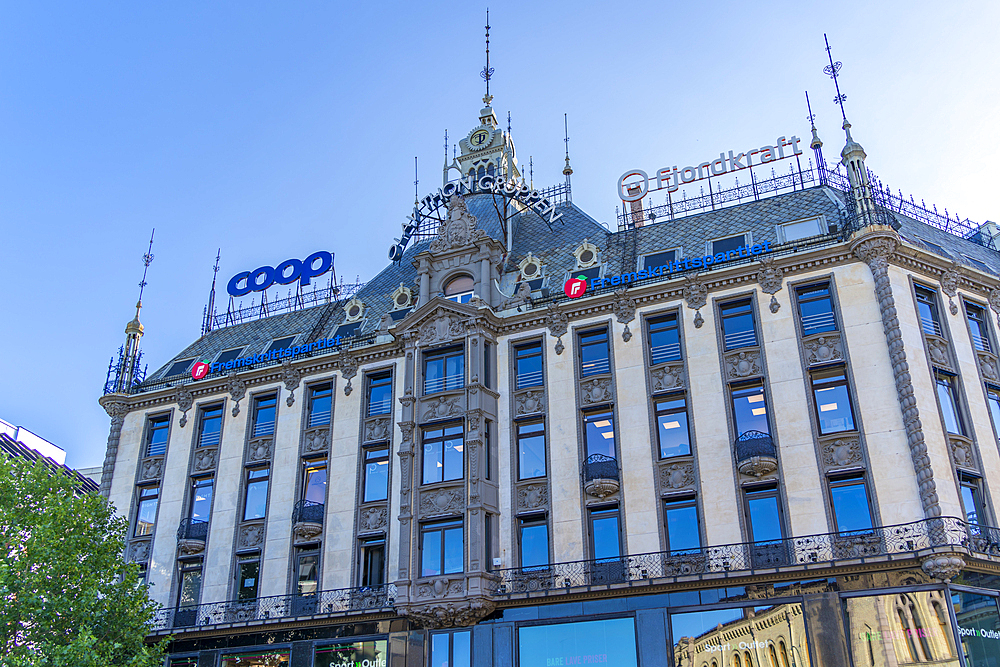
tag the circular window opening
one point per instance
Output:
(587, 256)
(401, 300)
(530, 269)
(354, 311)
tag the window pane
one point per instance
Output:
(664, 340)
(594, 357)
(725, 245)
(430, 553)
(605, 535)
(210, 428)
(373, 563)
(454, 445)
(461, 649)
(315, 486)
(433, 460)
(455, 369)
(156, 444)
(993, 400)
(248, 581)
(531, 450)
(256, 500)
(737, 324)
(833, 403)
(439, 650)
(659, 259)
(978, 327)
(263, 418)
(802, 229)
(201, 503)
(682, 527)
(850, 507)
(672, 427)
(320, 399)
(750, 410)
(765, 522)
(970, 503)
(816, 310)
(534, 545)
(529, 365)
(190, 589)
(454, 559)
(380, 395)
(949, 408)
(377, 474)
(605, 642)
(308, 573)
(146, 515)
(229, 355)
(600, 433)
(927, 308)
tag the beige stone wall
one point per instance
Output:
(338, 530)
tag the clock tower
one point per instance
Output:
(485, 150)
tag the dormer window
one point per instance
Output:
(402, 297)
(531, 267)
(355, 310)
(459, 289)
(586, 255)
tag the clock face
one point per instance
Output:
(479, 138)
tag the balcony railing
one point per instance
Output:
(277, 607)
(599, 466)
(193, 529)
(878, 544)
(307, 511)
(754, 443)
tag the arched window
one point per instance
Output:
(784, 654)
(747, 661)
(773, 656)
(472, 173)
(943, 627)
(904, 625)
(920, 631)
(459, 289)
(736, 660)
(489, 169)
(482, 171)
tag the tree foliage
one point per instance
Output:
(67, 598)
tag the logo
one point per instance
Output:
(575, 287)
(200, 369)
(285, 273)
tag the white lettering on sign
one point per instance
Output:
(634, 184)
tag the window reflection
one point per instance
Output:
(748, 636)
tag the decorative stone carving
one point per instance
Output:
(442, 501)
(769, 276)
(354, 310)
(597, 390)
(824, 349)
(695, 293)
(758, 466)
(442, 407)
(317, 441)
(185, 399)
(377, 429)
(237, 390)
(443, 328)
(774, 306)
(250, 536)
(601, 487)
(190, 547)
(458, 229)
(988, 366)
(306, 531)
(434, 615)
(743, 364)
(440, 587)
(116, 409)
(698, 320)
(205, 459)
(151, 469)
(842, 452)
(962, 453)
(875, 245)
(291, 377)
(532, 496)
(624, 312)
(994, 301)
(944, 568)
(529, 402)
(558, 323)
(677, 476)
(668, 377)
(260, 450)
(384, 323)
(937, 350)
(950, 280)
(530, 267)
(348, 368)
(373, 518)
(138, 552)
(520, 297)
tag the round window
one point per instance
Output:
(459, 285)
(354, 311)
(401, 300)
(530, 269)
(587, 256)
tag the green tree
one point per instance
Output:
(67, 598)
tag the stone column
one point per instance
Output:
(116, 405)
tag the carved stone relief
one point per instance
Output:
(558, 323)
(443, 328)
(696, 296)
(185, 399)
(937, 350)
(743, 364)
(305, 532)
(824, 349)
(458, 229)
(237, 390)
(769, 278)
(950, 280)
(532, 496)
(442, 407)
(676, 476)
(377, 429)
(260, 450)
(317, 441)
(291, 377)
(529, 402)
(138, 552)
(519, 298)
(624, 312)
(116, 409)
(442, 501)
(349, 369)
(250, 536)
(944, 568)
(205, 459)
(988, 366)
(436, 614)
(151, 469)
(597, 390)
(441, 587)
(842, 452)
(667, 377)
(962, 452)
(373, 518)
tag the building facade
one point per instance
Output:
(752, 429)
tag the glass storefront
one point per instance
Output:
(769, 636)
(256, 659)
(353, 654)
(607, 642)
(900, 629)
(978, 628)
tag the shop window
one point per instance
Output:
(672, 426)
(441, 548)
(528, 365)
(257, 659)
(201, 498)
(737, 324)
(157, 431)
(210, 425)
(443, 454)
(728, 244)
(376, 481)
(851, 507)
(248, 577)
(609, 641)
(307, 570)
(444, 370)
(599, 432)
(605, 533)
(189, 590)
(314, 481)
(372, 556)
(700, 638)
(459, 289)
(320, 404)
(664, 339)
(255, 500)
(750, 408)
(763, 513)
(816, 309)
(972, 497)
(379, 394)
(928, 310)
(531, 449)
(658, 259)
(682, 532)
(145, 515)
(451, 649)
(595, 358)
(978, 327)
(833, 401)
(534, 540)
(189, 661)
(978, 621)
(263, 415)
(948, 400)
(367, 653)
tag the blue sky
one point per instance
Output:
(273, 130)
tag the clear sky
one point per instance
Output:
(273, 130)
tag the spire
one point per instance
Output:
(853, 155)
(487, 72)
(209, 322)
(816, 144)
(567, 170)
(126, 372)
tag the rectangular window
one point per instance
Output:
(605, 534)
(280, 343)
(189, 591)
(534, 534)
(664, 339)
(978, 327)
(948, 399)
(351, 654)
(248, 577)
(993, 401)
(320, 404)
(349, 328)
(488, 365)
(376, 483)
(263, 415)
(737, 324)
(851, 509)
(255, 503)
(179, 368)
(441, 548)
(490, 456)
(607, 642)
(599, 433)
(229, 355)
(372, 553)
(314, 481)
(833, 401)
(307, 571)
(672, 426)
(594, 354)
(157, 431)
(815, 309)
(528, 365)
(750, 408)
(728, 244)
(658, 259)
(680, 517)
(201, 498)
(451, 649)
(972, 498)
(928, 310)
(379, 394)
(145, 516)
(763, 513)
(444, 370)
(531, 449)
(210, 426)
(443, 458)
(257, 659)
(488, 538)
(799, 229)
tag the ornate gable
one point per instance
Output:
(459, 229)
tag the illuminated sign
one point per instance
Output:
(200, 369)
(285, 273)
(634, 184)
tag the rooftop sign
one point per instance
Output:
(285, 273)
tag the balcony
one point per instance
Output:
(191, 536)
(600, 476)
(755, 454)
(307, 521)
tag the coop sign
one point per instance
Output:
(634, 184)
(285, 273)
(431, 204)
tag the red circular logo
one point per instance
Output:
(199, 370)
(575, 287)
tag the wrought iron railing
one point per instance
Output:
(746, 558)
(341, 601)
(599, 466)
(307, 511)
(193, 529)
(754, 443)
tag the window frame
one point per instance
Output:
(801, 298)
(444, 355)
(710, 244)
(301, 554)
(529, 521)
(845, 382)
(203, 416)
(139, 501)
(465, 296)
(992, 393)
(443, 438)
(670, 322)
(197, 482)
(928, 296)
(442, 527)
(235, 353)
(312, 390)
(189, 566)
(948, 382)
(526, 351)
(742, 386)
(367, 546)
(187, 366)
(837, 480)
(367, 451)
(450, 634)
(156, 424)
(254, 481)
(680, 502)
(600, 369)
(782, 227)
(266, 428)
(597, 513)
(975, 483)
(772, 490)
(983, 324)
(664, 412)
(749, 302)
(251, 558)
(519, 436)
(311, 465)
(378, 380)
(274, 342)
(591, 416)
(641, 265)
